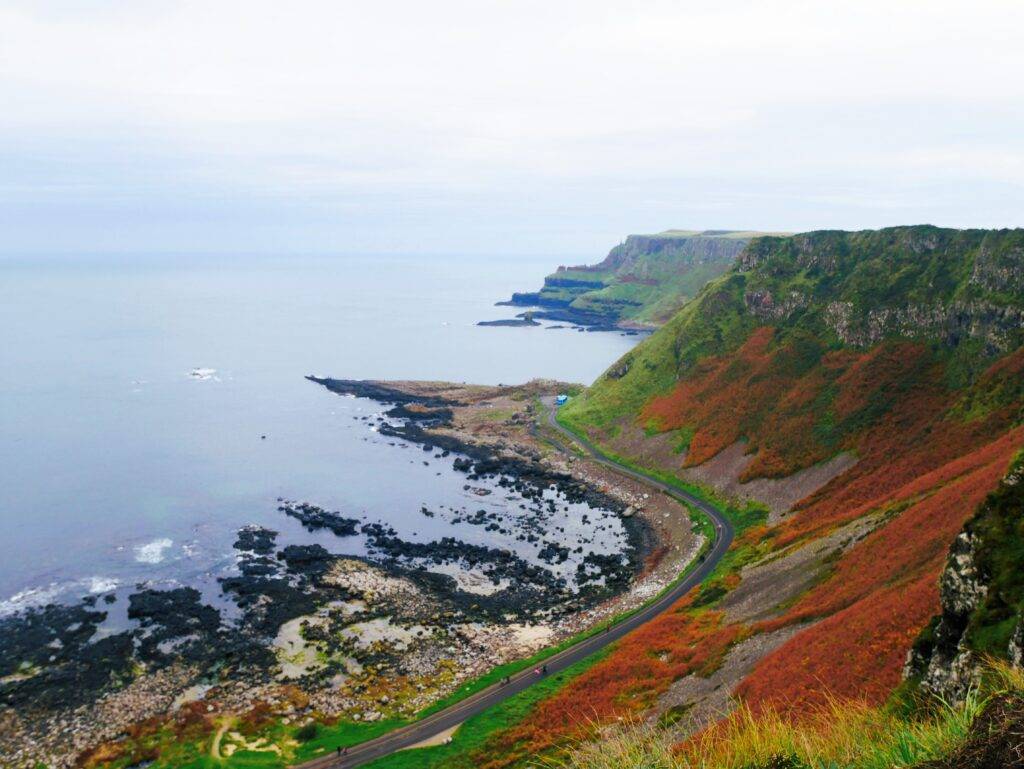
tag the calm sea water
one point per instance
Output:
(117, 467)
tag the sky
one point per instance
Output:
(498, 127)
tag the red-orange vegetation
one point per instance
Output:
(882, 592)
(104, 753)
(706, 398)
(115, 750)
(857, 653)
(898, 456)
(797, 405)
(793, 402)
(926, 457)
(190, 722)
(926, 453)
(626, 682)
(260, 715)
(731, 581)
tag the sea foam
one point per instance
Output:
(152, 552)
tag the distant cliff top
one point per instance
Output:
(642, 281)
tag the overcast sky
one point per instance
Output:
(482, 127)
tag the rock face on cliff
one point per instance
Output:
(642, 281)
(946, 285)
(982, 597)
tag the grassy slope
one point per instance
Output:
(844, 735)
(472, 737)
(647, 278)
(933, 414)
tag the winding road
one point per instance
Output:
(426, 728)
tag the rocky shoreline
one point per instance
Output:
(559, 312)
(524, 319)
(321, 635)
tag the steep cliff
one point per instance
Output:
(866, 386)
(982, 597)
(642, 281)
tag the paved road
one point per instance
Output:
(426, 728)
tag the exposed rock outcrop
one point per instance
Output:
(984, 307)
(948, 669)
(980, 596)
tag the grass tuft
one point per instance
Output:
(841, 734)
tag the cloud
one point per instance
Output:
(348, 117)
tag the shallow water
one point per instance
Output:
(135, 394)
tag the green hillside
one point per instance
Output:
(957, 290)
(642, 281)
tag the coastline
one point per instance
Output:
(491, 430)
(519, 440)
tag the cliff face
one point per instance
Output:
(949, 286)
(655, 256)
(642, 281)
(982, 597)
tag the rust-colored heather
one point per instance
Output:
(927, 456)
(626, 682)
(796, 404)
(896, 456)
(705, 399)
(888, 405)
(856, 653)
(881, 593)
(917, 539)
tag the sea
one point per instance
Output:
(150, 406)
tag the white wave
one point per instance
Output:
(203, 374)
(32, 596)
(101, 584)
(43, 594)
(152, 552)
